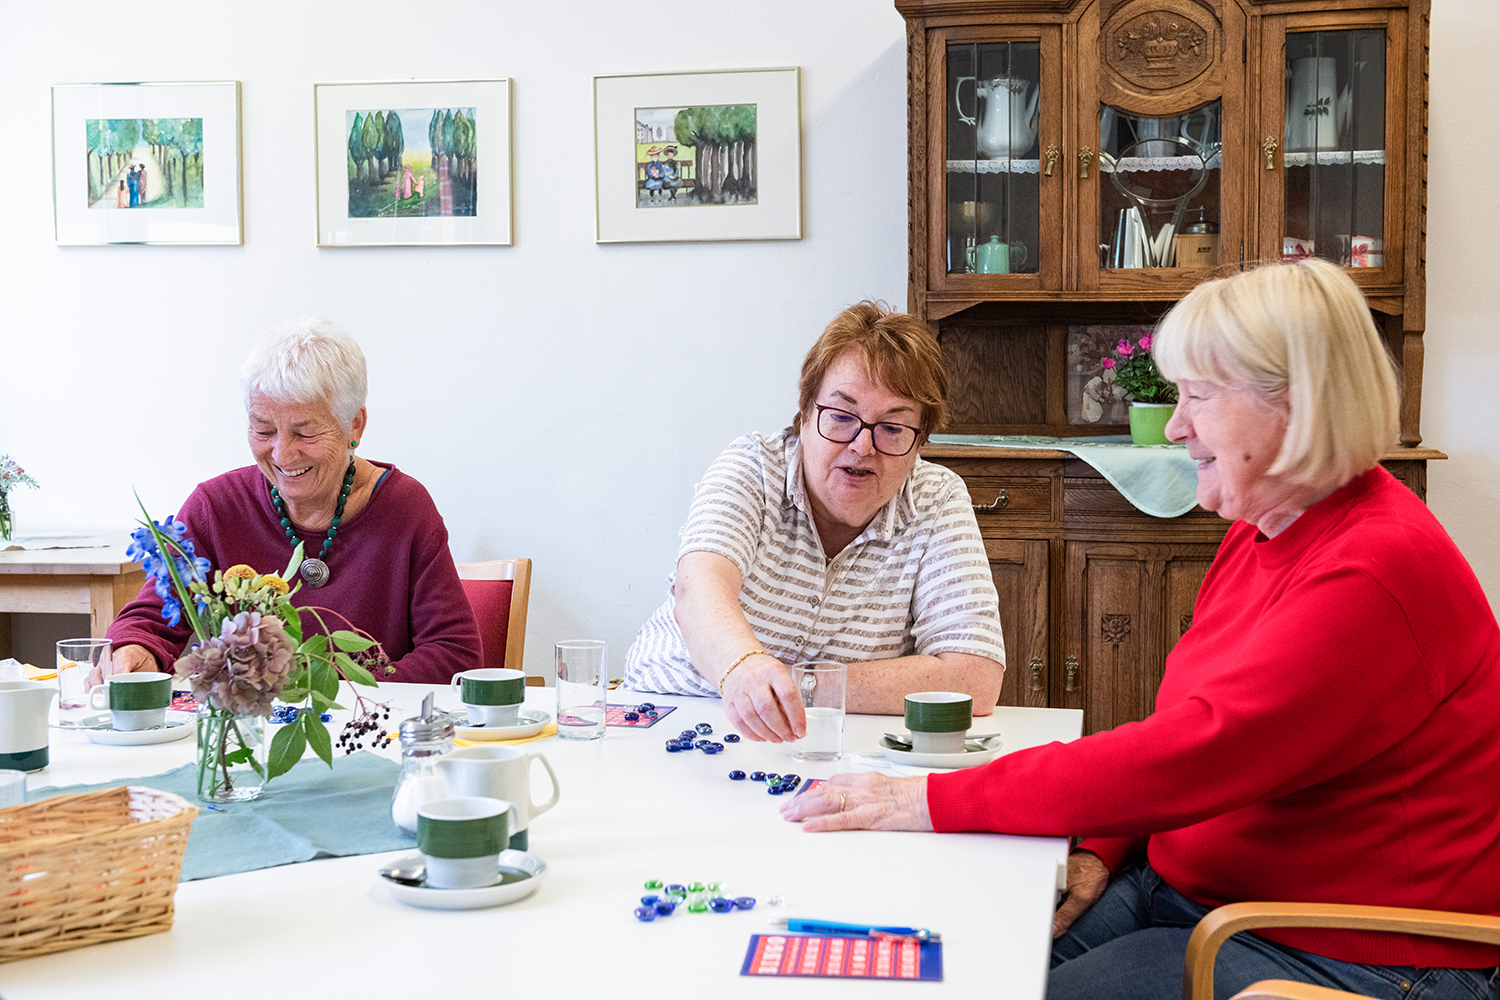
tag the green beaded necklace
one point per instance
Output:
(315, 571)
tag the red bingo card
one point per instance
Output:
(843, 957)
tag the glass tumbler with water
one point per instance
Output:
(821, 683)
(82, 664)
(581, 666)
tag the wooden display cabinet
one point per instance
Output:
(1058, 149)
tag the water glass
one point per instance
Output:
(580, 689)
(82, 665)
(12, 788)
(822, 684)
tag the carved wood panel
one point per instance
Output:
(1020, 571)
(1153, 51)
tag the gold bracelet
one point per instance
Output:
(742, 659)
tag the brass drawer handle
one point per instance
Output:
(1070, 674)
(1036, 674)
(1052, 155)
(1002, 500)
(1084, 156)
(1269, 148)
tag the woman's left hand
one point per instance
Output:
(862, 802)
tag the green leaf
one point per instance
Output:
(325, 680)
(290, 573)
(351, 642)
(353, 672)
(239, 756)
(287, 747)
(318, 738)
(315, 647)
(292, 695)
(323, 703)
(292, 620)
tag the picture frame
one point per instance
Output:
(160, 163)
(1093, 398)
(655, 185)
(439, 177)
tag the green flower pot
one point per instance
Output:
(1148, 423)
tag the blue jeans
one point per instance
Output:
(1129, 946)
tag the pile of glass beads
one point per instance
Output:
(662, 900)
(697, 739)
(282, 714)
(645, 708)
(776, 784)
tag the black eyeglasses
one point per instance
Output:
(842, 427)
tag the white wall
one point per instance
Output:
(548, 412)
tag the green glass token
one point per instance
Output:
(699, 907)
(696, 887)
(654, 884)
(716, 887)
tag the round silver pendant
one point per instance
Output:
(315, 572)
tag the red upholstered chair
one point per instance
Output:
(498, 591)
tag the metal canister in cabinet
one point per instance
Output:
(1197, 245)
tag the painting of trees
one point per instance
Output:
(170, 150)
(722, 137)
(393, 174)
(109, 143)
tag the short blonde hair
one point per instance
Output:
(899, 352)
(1303, 332)
(308, 361)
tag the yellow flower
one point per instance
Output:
(271, 581)
(239, 571)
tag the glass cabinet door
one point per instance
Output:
(1334, 147)
(993, 158)
(1159, 192)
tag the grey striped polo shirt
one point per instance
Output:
(916, 580)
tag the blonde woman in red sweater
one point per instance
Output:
(1325, 731)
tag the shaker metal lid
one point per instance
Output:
(430, 725)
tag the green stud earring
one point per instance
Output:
(354, 443)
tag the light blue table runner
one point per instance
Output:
(309, 812)
(1160, 480)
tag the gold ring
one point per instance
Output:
(841, 801)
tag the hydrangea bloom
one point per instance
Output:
(240, 670)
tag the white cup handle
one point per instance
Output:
(455, 682)
(99, 690)
(537, 810)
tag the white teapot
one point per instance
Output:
(1008, 125)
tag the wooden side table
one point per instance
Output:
(97, 582)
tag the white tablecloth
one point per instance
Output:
(629, 812)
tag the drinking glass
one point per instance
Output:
(82, 665)
(12, 788)
(580, 689)
(821, 683)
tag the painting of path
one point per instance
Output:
(145, 162)
(411, 162)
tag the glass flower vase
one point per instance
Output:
(232, 753)
(7, 524)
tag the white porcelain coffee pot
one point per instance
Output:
(1007, 125)
(23, 724)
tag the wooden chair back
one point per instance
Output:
(498, 591)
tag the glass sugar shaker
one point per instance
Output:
(425, 739)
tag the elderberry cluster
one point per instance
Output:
(366, 725)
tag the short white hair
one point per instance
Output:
(307, 361)
(1302, 332)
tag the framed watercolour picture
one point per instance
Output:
(698, 156)
(146, 163)
(413, 163)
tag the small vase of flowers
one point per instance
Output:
(11, 476)
(1152, 398)
(250, 649)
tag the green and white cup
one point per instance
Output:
(938, 720)
(135, 701)
(462, 839)
(493, 696)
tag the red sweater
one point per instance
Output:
(1325, 731)
(391, 573)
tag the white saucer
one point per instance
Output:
(179, 725)
(525, 874)
(976, 752)
(529, 724)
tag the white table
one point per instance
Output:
(629, 812)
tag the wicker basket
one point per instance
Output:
(83, 869)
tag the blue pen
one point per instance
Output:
(808, 925)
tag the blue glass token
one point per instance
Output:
(791, 777)
(720, 905)
(665, 907)
(745, 902)
(651, 900)
(644, 706)
(649, 713)
(718, 748)
(736, 775)
(645, 914)
(711, 749)
(676, 889)
(770, 775)
(704, 728)
(731, 737)
(700, 744)
(674, 747)
(631, 717)
(775, 789)
(688, 734)
(757, 776)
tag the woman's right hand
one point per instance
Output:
(761, 700)
(133, 658)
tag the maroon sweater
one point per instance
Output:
(391, 573)
(1325, 731)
